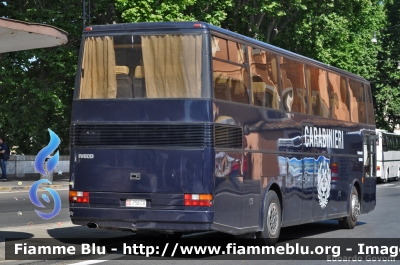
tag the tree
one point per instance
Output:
(36, 86)
(387, 82)
(337, 33)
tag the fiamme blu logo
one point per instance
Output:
(45, 167)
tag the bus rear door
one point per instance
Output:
(369, 173)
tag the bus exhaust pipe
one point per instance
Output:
(92, 225)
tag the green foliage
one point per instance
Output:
(37, 85)
(387, 83)
(337, 33)
(154, 10)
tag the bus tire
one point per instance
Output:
(272, 220)
(350, 221)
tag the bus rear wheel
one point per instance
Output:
(350, 221)
(272, 220)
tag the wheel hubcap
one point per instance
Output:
(355, 207)
(272, 221)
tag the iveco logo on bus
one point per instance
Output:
(322, 137)
(86, 156)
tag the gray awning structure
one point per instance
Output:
(18, 35)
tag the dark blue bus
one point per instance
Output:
(181, 127)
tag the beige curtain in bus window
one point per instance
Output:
(99, 79)
(172, 66)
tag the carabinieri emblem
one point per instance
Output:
(324, 183)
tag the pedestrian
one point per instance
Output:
(4, 156)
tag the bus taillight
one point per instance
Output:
(198, 200)
(334, 171)
(335, 168)
(79, 196)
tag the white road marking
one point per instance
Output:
(16, 191)
(384, 185)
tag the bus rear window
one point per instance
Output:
(146, 66)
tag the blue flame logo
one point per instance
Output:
(35, 200)
(45, 152)
(45, 168)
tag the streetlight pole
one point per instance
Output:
(375, 40)
(83, 14)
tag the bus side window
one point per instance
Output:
(230, 79)
(229, 83)
(318, 89)
(357, 102)
(384, 144)
(294, 93)
(339, 97)
(221, 88)
(219, 48)
(369, 104)
(263, 69)
(239, 82)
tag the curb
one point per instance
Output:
(26, 188)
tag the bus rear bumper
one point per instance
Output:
(137, 219)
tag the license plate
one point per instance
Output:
(136, 203)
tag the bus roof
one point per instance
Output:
(386, 132)
(18, 35)
(204, 25)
